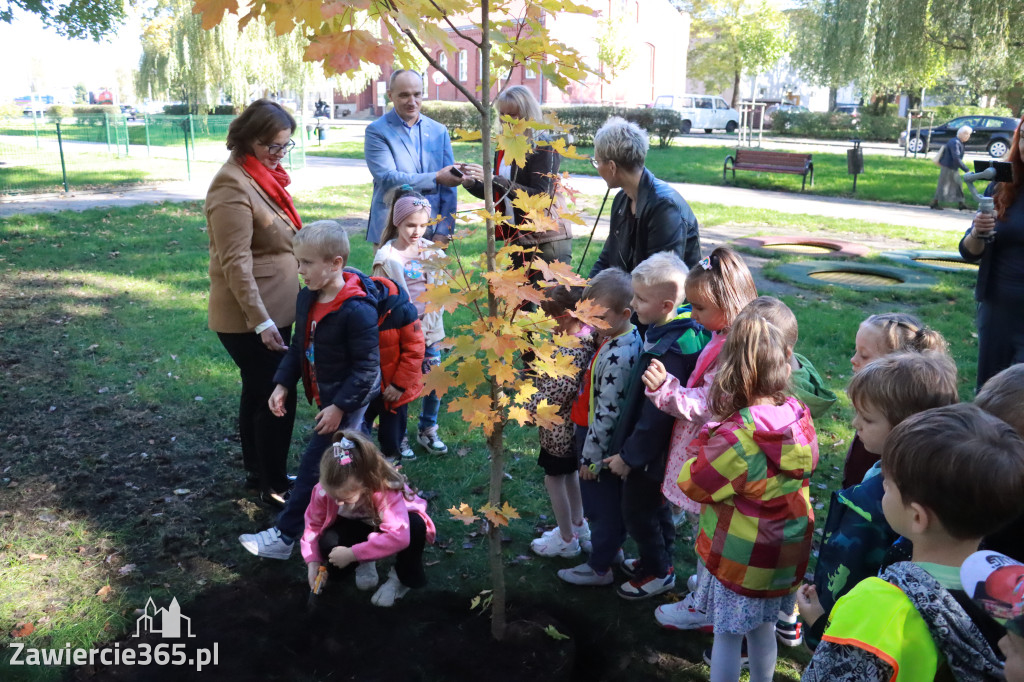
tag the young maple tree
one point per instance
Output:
(348, 34)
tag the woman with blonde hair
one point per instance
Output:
(536, 176)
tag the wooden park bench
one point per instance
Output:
(770, 162)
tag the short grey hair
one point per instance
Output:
(964, 129)
(663, 269)
(623, 142)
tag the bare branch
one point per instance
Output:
(444, 15)
(451, 79)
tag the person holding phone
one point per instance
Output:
(404, 147)
(536, 176)
(996, 242)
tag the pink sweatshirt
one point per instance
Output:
(689, 405)
(390, 538)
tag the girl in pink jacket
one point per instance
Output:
(717, 289)
(363, 510)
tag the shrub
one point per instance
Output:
(665, 124)
(58, 112)
(833, 125)
(92, 114)
(947, 112)
(219, 110)
(10, 110)
(454, 115)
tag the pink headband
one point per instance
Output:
(407, 205)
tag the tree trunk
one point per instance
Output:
(832, 94)
(495, 444)
(736, 91)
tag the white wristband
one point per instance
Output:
(260, 328)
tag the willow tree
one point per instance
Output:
(889, 45)
(182, 60)
(481, 370)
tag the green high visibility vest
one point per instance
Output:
(878, 617)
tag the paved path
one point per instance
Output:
(328, 172)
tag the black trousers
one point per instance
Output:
(265, 438)
(649, 522)
(391, 429)
(408, 562)
(1000, 338)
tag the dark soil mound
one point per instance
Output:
(263, 631)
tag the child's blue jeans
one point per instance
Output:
(431, 403)
(292, 518)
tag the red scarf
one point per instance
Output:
(273, 183)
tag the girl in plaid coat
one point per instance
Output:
(751, 478)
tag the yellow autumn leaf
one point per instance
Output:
(213, 11)
(520, 415)
(463, 513)
(546, 415)
(526, 392)
(499, 517)
(467, 135)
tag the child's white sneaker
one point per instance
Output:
(269, 544)
(682, 615)
(366, 575)
(391, 591)
(585, 575)
(555, 545)
(583, 535)
(429, 439)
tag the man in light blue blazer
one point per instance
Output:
(403, 147)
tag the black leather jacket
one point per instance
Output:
(664, 223)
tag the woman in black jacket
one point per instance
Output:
(648, 216)
(537, 176)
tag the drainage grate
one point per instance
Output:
(947, 263)
(854, 278)
(799, 248)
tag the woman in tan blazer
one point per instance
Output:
(250, 220)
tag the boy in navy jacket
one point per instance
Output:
(335, 350)
(641, 438)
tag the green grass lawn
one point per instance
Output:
(886, 178)
(121, 471)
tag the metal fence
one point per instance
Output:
(100, 151)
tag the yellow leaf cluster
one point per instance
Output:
(463, 513)
(499, 517)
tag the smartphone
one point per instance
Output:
(456, 172)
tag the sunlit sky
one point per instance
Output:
(29, 50)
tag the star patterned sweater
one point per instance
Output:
(609, 380)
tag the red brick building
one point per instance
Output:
(657, 34)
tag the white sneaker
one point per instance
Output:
(583, 535)
(682, 616)
(428, 438)
(391, 591)
(554, 545)
(585, 575)
(691, 583)
(268, 544)
(407, 452)
(366, 575)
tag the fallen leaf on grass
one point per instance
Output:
(37, 557)
(552, 632)
(104, 592)
(23, 630)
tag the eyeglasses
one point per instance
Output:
(594, 162)
(276, 149)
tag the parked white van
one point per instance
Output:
(701, 111)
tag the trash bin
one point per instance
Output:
(855, 161)
(322, 133)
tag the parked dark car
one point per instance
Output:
(992, 134)
(851, 109)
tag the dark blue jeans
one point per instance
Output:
(602, 504)
(649, 521)
(292, 518)
(391, 426)
(431, 403)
